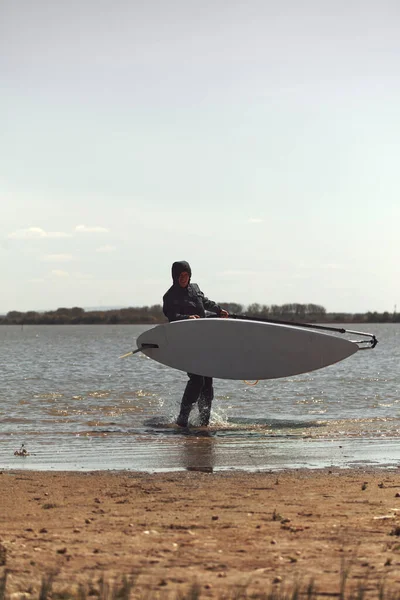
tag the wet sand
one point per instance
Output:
(221, 530)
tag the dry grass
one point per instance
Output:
(124, 589)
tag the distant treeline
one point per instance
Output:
(307, 313)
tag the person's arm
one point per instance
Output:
(212, 306)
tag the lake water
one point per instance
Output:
(75, 405)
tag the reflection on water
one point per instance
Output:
(75, 405)
(198, 455)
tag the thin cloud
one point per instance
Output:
(334, 266)
(238, 273)
(255, 220)
(58, 258)
(59, 273)
(82, 276)
(86, 229)
(36, 233)
(106, 248)
(314, 266)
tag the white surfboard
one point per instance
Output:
(239, 349)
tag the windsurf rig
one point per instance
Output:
(366, 344)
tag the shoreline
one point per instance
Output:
(269, 450)
(223, 530)
(163, 322)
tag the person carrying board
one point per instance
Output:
(185, 300)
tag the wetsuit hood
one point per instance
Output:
(179, 267)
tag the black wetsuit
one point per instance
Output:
(178, 304)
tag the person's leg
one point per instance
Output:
(205, 401)
(190, 396)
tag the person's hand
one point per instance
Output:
(224, 314)
(194, 317)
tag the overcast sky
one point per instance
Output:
(259, 140)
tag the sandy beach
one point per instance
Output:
(221, 531)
